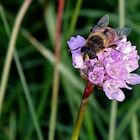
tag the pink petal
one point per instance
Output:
(113, 92)
(133, 79)
(117, 70)
(76, 42)
(112, 83)
(96, 76)
(131, 65)
(77, 59)
(118, 95)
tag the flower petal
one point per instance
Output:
(125, 46)
(131, 65)
(97, 76)
(113, 92)
(117, 70)
(76, 42)
(111, 69)
(118, 95)
(116, 84)
(133, 79)
(77, 59)
(131, 61)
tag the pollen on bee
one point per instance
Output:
(85, 57)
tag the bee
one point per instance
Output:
(101, 37)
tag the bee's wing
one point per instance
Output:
(121, 32)
(103, 22)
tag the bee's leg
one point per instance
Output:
(92, 54)
(85, 57)
(84, 49)
(113, 46)
(96, 57)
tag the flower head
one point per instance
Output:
(111, 70)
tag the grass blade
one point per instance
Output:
(10, 51)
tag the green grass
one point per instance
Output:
(26, 100)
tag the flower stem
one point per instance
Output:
(56, 75)
(10, 51)
(80, 116)
(135, 128)
(121, 13)
(114, 103)
(113, 120)
(75, 17)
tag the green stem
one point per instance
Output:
(56, 75)
(79, 119)
(121, 13)
(113, 120)
(75, 16)
(80, 116)
(134, 124)
(10, 51)
(28, 97)
(126, 118)
(114, 103)
(23, 80)
(4, 20)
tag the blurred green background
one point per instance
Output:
(26, 110)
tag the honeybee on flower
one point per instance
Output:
(106, 58)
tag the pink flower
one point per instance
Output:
(75, 45)
(113, 69)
